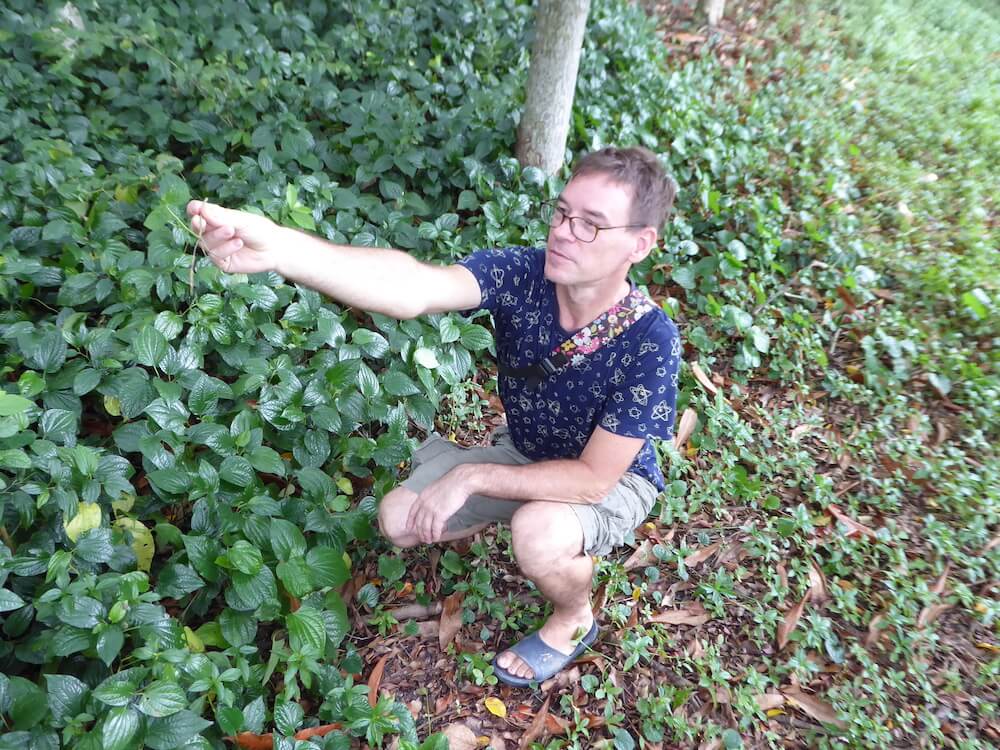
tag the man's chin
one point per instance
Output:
(553, 274)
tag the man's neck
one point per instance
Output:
(579, 305)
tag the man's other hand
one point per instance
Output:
(431, 510)
(236, 241)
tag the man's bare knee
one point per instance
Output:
(393, 511)
(543, 533)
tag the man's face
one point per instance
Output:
(603, 203)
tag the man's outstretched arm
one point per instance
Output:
(379, 280)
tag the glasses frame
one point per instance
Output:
(553, 207)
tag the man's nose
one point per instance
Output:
(563, 231)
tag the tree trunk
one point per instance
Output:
(555, 59)
(715, 10)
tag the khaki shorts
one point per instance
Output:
(605, 525)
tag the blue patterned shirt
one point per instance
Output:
(628, 386)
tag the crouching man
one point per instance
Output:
(587, 374)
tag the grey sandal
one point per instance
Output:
(544, 660)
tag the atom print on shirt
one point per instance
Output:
(612, 387)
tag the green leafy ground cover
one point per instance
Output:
(190, 462)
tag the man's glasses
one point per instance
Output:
(583, 229)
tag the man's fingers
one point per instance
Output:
(221, 255)
(217, 237)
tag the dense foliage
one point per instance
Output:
(190, 461)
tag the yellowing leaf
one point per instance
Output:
(88, 516)
(112, 406)
(496, 707)
(124, 503)
(345, 486)
(775, 712)
(142, 541)
(193, 641)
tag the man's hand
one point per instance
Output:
(236, 241)
(435, 505)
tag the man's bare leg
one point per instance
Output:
(395, 509)
(548, 545)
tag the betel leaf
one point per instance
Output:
(238, 628)
(174, 731)
(327, 567)
(268, 461)
(10, 601)
(254, 714)
(288, 716)
(170, 481)
(149, 346)
(11, 404)
(162, 698)
(399, 383)
(28, 704)
(95, 546)
(295, 576)
(236, 470)
(372, 343)
(425, 357)
(245, 557)
(120, 726)
(306, 630)
(335, 618)
(59, 425)
(390, 568)
(67, 695)
(474, 337)
(287, 540)
(247, 592)
(109, 644)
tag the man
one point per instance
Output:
(577, 470)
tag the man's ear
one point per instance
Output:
(645, 241)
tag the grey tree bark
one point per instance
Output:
(715, 10)
(555, 60)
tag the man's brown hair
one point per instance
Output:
(637, 168)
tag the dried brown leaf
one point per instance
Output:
(416, 611)
(854, 528)
(555, 724)
(801, 430)
(642, 556)
(791, 621)
(694, 614)
(685, 38)
(874, 632)
(533, 732)
(813, 706)
(941, 434)
(451, 619)
(699, 556)
(566, 678)
(942, 581)
(685, 428)
(703, 379)
(992, 543)
(460, 737)
(428, 628)
(375, 680)
(600, 597)
(817, 584)
(930, 614)
(767, 701)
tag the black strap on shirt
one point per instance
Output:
(603, 329)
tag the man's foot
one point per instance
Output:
(544, 653)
